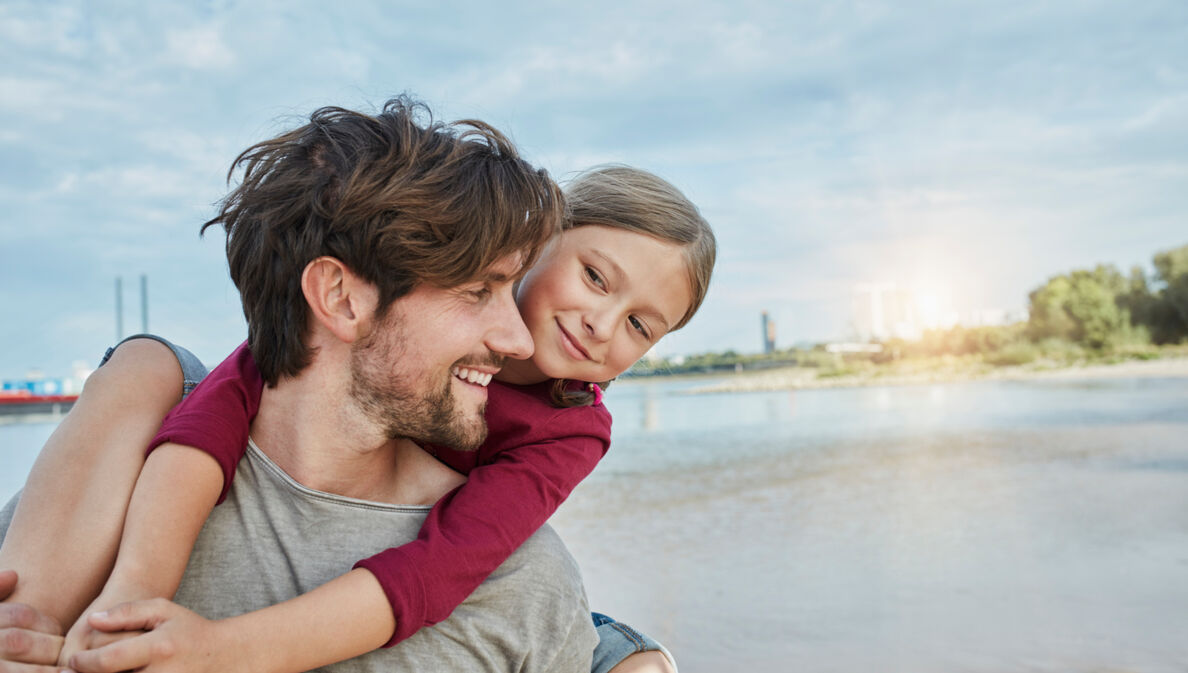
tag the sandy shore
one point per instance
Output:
(792, 378)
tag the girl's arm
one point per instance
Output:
(468, 533)
(173, 497)
(178, 488)
(477, 526)
(67, 525)
(343, 618)
(472, 529)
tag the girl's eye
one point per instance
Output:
(594, 276)
(638, 326)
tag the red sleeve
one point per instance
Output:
(216, 417)
(476, 527)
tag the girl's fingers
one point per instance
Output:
(134, 616)
(97, 639)
(125, 655)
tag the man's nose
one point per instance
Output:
(509, 336)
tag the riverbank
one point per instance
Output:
(940, 370)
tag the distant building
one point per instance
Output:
(769, 334)
(884, 310)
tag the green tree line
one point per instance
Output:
(1101, 308)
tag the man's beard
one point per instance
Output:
(426, 417)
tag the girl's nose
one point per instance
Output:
(599, 324)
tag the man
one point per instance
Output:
(374, 256)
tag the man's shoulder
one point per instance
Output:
(545, 560)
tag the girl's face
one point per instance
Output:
(596, 301)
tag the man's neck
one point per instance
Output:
(307, 426)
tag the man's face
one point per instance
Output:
(423, 371)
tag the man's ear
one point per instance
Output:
(339, 300)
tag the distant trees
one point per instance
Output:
(1081, 306)
(1168, 318)
(1101, 308)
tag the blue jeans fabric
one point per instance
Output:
(617, 641)
(192, 368)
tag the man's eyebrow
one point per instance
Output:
(491, 275)
(497, 277)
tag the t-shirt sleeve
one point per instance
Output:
(217, 416)
(477, 526)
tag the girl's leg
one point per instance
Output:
(652, 661)
(622, 649)
(67, 525)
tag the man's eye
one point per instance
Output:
(594, 276)
(481, 294)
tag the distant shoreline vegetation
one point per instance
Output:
(1085, 316)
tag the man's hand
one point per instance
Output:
(175, 640)
(29, 640)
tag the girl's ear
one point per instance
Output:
(339, 301)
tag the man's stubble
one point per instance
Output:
(394, 403)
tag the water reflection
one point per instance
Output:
(955, 528)
(651, 410)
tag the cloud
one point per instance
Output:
(53, 27)
(199, 47)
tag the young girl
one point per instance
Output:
(632, 264)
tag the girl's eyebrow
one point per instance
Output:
(653, 313)
(609, 262)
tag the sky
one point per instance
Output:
(972, 149)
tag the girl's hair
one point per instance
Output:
(614, 195)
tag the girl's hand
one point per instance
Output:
(173, 639)
(82, 636)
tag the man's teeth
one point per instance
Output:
(471, 375)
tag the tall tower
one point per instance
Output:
(769, 334)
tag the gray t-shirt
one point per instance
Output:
(273, 539)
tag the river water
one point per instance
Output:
(983, 526)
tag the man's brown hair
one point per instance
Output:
(397, 197)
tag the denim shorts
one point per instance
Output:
(192, 368)
(617, 641)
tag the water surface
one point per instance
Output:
(985, 526)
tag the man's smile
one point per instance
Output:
(474, 376)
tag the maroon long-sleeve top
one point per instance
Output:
(535, 454)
